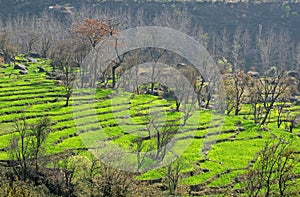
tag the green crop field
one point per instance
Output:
(217, 148)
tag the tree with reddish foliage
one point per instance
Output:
(93, 31)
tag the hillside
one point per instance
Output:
(212, 16)
(216, 148)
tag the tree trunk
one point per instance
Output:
(67, 101)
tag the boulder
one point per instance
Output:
(23, 72)
(52, 73)
(294, 74)
(59, 83)
(293, 99)
(59, 77)
(253, 74)
(32, 60)
(20, 67)
(34, 55)
(41, 69)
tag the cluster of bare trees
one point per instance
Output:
(273, 170)
(31, 171)
(68, 44)
(266, 94)
(262, 48)
(33, 34)
(245, 50)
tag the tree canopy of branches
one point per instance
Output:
(27, 147)
(64, 57)
(235, 85)
(93, 31)
(272, 173)
(267, 91)
(7, 47)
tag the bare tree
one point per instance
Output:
(64, 57)
(50, 33)
(7, 47)
(268, 90)
(224, 44)
(20, 149)
(156, 55)
(40, 131)
(113, 181)
(273, 172)
(235, 85)
(266, 45)
(25, 32)
(284, 49)
(173, 176)
(162, 132)
(240, 46)
(177, 20)
(27, 148)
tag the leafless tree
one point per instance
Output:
(7, 47)
(113, 181)
(268, 90)
(50, 33)
(20, 149)
(180, 20)
(240, 46)
(25, 32)
(266, 45)
(64, 58)
(224, 44)
(173, 176)
(273, 172)
(284, 49)
(27, 148)
(156, 55)
(235, 85)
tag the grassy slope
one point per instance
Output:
(32, 96)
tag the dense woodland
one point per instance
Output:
(255, 103)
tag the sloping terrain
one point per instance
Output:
(219, 147)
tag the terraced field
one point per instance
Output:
(216, 149)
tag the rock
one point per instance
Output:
(49, 74)
(52, 73)
(23, 72)
(293, 99)
(59, 77)
(32, 60)
(41, 69)
(253, 74)
(155, 92)
(20, 67)
(241, 129)
(34, 55)
(298, 102)
(59, 83)
(181, 65)
(294, 74)
(238, 123)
